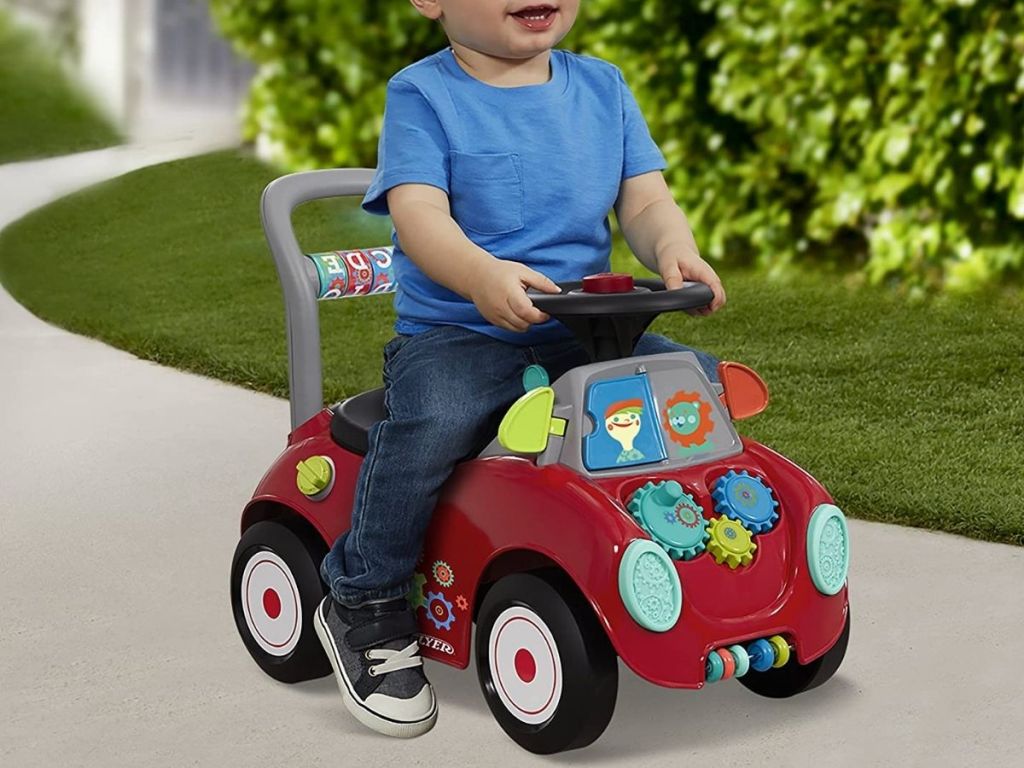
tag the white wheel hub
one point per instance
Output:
(270, 602)
(525, 665)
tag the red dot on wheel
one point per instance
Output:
(526, 666)
(272, 603)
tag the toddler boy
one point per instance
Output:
(499, 159)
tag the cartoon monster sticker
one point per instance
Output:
(687, 421)
(623, 422)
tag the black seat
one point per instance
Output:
(353, 418)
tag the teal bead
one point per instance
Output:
(739, 653)
(714, 668)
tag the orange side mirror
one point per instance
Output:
(745, 394)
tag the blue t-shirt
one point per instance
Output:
(531, 173)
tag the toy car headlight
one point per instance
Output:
(828, 548)
(649, 586)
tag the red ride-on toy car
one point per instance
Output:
(616, 513)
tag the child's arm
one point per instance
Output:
(433, 240)
(411, 185)
(658, 233)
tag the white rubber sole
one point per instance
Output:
(359, 710)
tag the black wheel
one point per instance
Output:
(796, 678)
(546, 667)
(275, 587)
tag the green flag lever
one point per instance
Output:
(526, 426)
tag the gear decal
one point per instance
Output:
(444, 574)
(439, 610)
(688, 512)
(415, 596)
(461, 603)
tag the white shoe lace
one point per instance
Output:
(392, 661)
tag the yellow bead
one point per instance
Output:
(781, 648)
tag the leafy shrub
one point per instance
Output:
(323, 65)
(901, 123)
(881, 134)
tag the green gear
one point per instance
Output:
(415, 596)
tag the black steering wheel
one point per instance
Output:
(609, 312)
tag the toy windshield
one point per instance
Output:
(649, 417)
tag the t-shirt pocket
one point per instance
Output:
(486, 192)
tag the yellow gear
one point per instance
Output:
(730, 542)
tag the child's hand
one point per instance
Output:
(500, 294)
(675, 268)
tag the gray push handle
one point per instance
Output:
(299, 279)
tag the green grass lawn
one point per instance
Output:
(41, 112)
(909, 413)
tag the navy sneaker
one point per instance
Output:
(377, 664)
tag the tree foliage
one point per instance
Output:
(887, 135)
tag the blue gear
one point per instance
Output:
(436, 600)
(746, 498)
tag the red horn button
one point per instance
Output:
(608, 282)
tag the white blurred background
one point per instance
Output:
(156, 67)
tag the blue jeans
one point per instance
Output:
(445, 392)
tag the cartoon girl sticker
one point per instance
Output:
(687, 421)
(622, 420)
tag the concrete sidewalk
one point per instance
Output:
(121, 485)
(28, 185)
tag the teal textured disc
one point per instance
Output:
(828, 548)
(649, 586)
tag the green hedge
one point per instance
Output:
(882, 135)
(318, 95)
